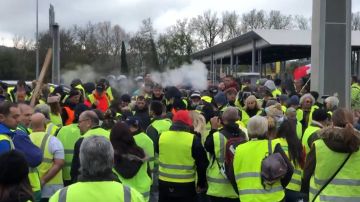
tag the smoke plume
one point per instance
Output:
(85, 73)
(194, 75)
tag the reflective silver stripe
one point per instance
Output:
(249, 174)
(298, 172)
(217, 180)
(151, 159)
(69, 151)
(62, 194)
(340, 198)
(177, 176)
(222, 149)
(43, 142)
(313, 191)
(46, 160)
(51, 126)
(179, 167)
(127, 194)
(348, 182)
(260, 191)
(146, 194)
(294, 181)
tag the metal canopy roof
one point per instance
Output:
(276, 45)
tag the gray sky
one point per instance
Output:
(18, 17)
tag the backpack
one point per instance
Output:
(226, 168)
(273, 167)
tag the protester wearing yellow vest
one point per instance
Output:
(131, 163)
(219, 187)
(328, 155)
(142, 140)
(53, 156)
(294, 150)
(89, 126)
(320, 120)
(247, 165)
(95, 183)
(181, 157)
(68, 135)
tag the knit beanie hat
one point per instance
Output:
(13, 168)
(183, 116)
(220, 98)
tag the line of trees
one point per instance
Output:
(110, 48)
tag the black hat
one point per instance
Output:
(100, 87)
(172, 92)
(132, 121)
(13, 168)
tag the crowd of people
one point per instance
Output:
(234, 141)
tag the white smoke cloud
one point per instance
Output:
(85, 73)
(194, 74)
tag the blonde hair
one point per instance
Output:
(251, 98)
(198, 122)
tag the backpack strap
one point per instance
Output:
(332, 177)
(269, 147)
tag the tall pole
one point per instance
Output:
(37, 39)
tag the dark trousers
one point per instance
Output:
(219, 199)
(177, 192)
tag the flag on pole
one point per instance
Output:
(302, 71)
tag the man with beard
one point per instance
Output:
(141, 112)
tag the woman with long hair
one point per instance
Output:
(130, 162)
(14, 181)
(331, 169)
(296, 154)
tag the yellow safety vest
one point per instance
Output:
(56, 119)
(41, 139)
(141, 182)
(145, 142)
(275, 93)
(68, 135)
(247, 169)
(218, 184)
(346, 184)
(308, 132)
(295, 182)
(109, 191)
(51, 128)
(97, 131)
(176, 163)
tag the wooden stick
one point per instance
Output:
(41, 77)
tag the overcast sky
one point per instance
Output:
(18, 17)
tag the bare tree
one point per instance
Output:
(253, 20)
(276, 20)
(207, 26)
(231, 21)
(301, 22)
(355, 24)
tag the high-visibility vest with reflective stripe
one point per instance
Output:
(68, 135)
(51, 128)
(33, 173)
(41, 139)
(218, 184)
(109, 93)
(245, 116)
(56, 119)
(313, 108)
(247, 169)
(176, 163)
(145, 142)
(299, 129)
(308, 132)
(161, 125)
(109, 191)
(346, 184)
(299, 114)
(295, 182)
(97, 131)
(141, 182)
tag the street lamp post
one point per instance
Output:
(37, 39)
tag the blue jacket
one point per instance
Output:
(5, 145)
(23, 144)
